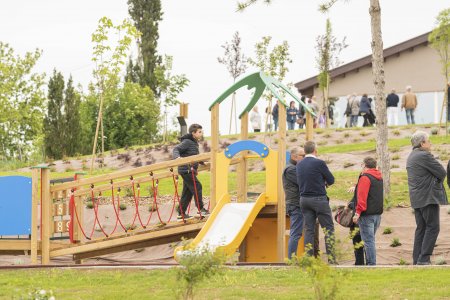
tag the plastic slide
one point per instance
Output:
(227, 226)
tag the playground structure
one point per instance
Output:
(259, 228)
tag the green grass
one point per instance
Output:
(283, 283)
(370, 145)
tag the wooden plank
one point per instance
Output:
(243, 164)
(129, 239)
(138, 245)
(281, 209)
(126, 173)
(127, 182)
(46, 216)
(60, 209)
(34, 214)
(214, 151)
(61, 226)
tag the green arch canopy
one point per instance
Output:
(260, 81)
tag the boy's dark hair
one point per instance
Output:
(370, 162)
(309, 147)
(194, 127)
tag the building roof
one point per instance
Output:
(365, 61)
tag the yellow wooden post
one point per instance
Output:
(242, 167)
(309, 126)
(34, 214)
(47, 222)
(77, 234)
(281, 205)
(214, 151)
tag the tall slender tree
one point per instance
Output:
(146, 15)
(378, 81)
(54, 120)
(273, 62)
(72, 128)
(236, 63)
(440, 41)
(328, 50)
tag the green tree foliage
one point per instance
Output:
(22, 103)
(72, 129)
(89, 107)
(133, 73)
(440, 41)
(54, 120)
(132, 118)
(146, 15)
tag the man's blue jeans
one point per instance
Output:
(275, 123)
(296, 220)
(410, 116)
(368, 226)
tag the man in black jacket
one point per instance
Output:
(292, 196)
(392, 108)
(191, 185)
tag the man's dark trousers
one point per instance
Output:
(427, 231)
(318, 208)
(189, 192)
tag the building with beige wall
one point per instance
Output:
(411, 62)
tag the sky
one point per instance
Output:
(193, 32)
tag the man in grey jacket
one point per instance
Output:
(292, 196)
(426, 191)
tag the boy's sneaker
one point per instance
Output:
(186, 217)
(204, 212)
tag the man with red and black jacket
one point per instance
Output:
(369, 206)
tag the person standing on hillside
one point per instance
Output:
(255, 119)
(292, 196)
(191, 185)
(392, 101)
(369, 206)
(354, 109)
(426, 192)
(409, 103)
(313, 176)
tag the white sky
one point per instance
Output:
(193, 31)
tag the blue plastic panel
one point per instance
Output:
(247, 145)
(15, 205)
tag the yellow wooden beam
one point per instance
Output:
(126, 173)
(281, 211)
(46, 216)
(34, 214)
(214, 151)
(243, 164)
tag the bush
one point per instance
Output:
(395, 242)
(395, 157)
(339, 141)
(122, 206)
(327, 135)
(395, 150)
(396, 132)
(333, 207)
(440, 260)
(346, 135)
(137, 163)
(394, 166)
(196, 266)
(89, 205)
(322, 143)
(348, 164)
(434, 131)
(364, 133)
(293, 139)
(403, 262)
(387, 230)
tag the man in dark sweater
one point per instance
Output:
(292, 196)
(392, 108)
(313, 176)
(191, 185)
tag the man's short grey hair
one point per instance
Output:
(418, 138)
(296, 151)
(309, 147)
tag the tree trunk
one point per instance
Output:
(380, 103)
